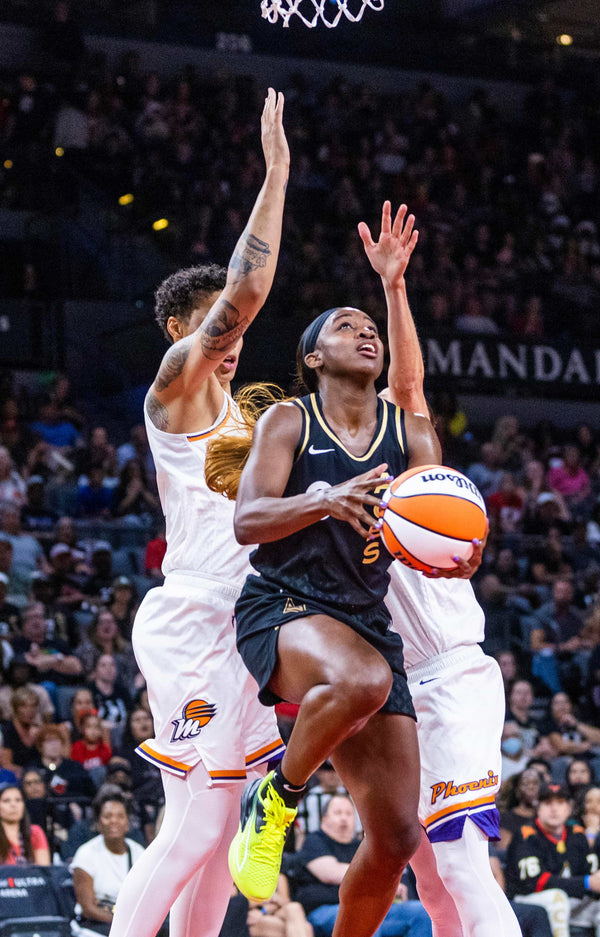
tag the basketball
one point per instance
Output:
(432, 514)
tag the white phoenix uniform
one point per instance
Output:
(458, 695)
(203, 700)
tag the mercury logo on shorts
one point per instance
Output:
(194, 715)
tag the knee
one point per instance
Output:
(397, 840)
(363, 692)
(452, 873)
(458, 873)
(429, 889)
(190, 851)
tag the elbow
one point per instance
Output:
(249, 296)
(408, 395)
(406, 386)
(243, 531)
(244, 538)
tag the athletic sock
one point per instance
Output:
(289, 793)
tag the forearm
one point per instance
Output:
(267, 519)
(252, 265)
(68, 666)
(590, 733)
(126, 501)
(95, 912)
(564, 746)
(538, 640)
(328, 869)
(406, 371)
(249, 278)
(573, 886)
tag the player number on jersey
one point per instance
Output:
(529, 867)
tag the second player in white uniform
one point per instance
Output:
(209, 727)
(210, 713)
(457, 690)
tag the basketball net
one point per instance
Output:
(310, 12)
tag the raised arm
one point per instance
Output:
(389, 257)
(262, 514)
(249, 276)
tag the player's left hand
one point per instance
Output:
(464, 569)
(389, 256)
(274, 141)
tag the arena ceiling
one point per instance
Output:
(539, 22)
(494, 38)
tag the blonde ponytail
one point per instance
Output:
(227, 453)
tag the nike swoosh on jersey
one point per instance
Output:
(313, 451)
(431, 679)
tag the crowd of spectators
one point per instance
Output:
(507, 206)
(506, 194)
(73, 703)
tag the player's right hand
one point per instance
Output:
(274, 142)
(348, 501)
(389, 256)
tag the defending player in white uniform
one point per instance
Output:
(457, 690)
(209, 726)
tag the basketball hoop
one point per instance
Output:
(310, 12)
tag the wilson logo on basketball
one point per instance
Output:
(194, 716)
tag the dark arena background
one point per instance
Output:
(130, 147)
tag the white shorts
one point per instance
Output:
(203, 700)
(459, 701)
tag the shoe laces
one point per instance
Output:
(277, 818)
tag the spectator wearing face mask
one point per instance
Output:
(514, 754)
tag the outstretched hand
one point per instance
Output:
(274, 142)
(389, 256)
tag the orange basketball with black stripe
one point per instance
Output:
(433, 513)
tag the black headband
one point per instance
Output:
(312, 332)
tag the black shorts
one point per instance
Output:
(263, 608)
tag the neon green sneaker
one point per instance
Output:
(257, 847)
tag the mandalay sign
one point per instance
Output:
(490, 365)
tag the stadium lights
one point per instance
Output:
(160, 224)
(8, 164)
(126, 199)
(564, 39)
(59, 151)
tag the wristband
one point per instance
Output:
(586, 882)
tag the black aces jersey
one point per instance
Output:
(329, 562)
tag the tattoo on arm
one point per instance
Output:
(157, 412)
(221, 329)
(172, 364)
(255, 254)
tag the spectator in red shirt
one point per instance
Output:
(21, 843)
(155, 552)
(90, 750)
(506, 507)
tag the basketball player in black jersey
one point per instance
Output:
(312, 626)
